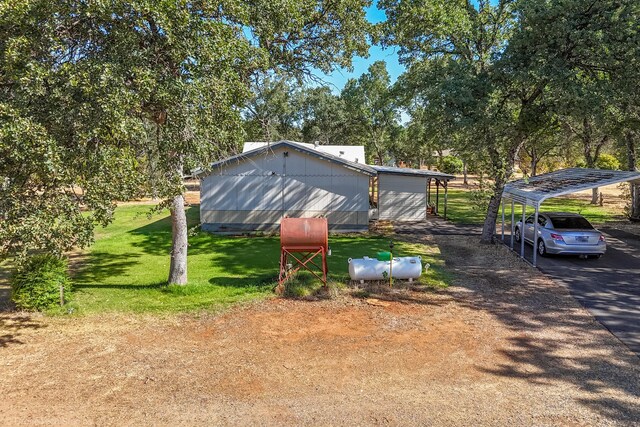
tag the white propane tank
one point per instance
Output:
(404, 268)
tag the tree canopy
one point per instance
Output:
(119, 97)
(494, 74)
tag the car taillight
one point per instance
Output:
(601, 238)
(557, 237)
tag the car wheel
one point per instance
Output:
(542, 248)
(597, 256)
(517, 235)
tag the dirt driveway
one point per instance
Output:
(492, 350)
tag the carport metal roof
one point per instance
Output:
(535, 190)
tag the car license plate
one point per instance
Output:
(582, 239)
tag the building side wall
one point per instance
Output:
(254, 194)
(402, 198)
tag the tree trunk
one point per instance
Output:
(534, 167)
(178, 269)
(464, 173)
(503, 171)
(489, 227)
(634, 187)
(534, 161)
(591, 164)
(631, 151)
(634, 213)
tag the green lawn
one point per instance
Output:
(128, 265)
(461, 210)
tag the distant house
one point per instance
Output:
(252, 191)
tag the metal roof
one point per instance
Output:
(537, 189)
(413, 172)
(260, 148)
(352, 153)
(360, 167)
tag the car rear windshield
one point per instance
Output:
(571, 222)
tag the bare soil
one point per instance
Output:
(504, 346)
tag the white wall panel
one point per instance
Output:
(219, 192)
(295, 193)
(402, 197)
(318, 194)
(296, 163)
(272, 161)
(314, 166)
(271, 192)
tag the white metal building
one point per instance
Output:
(404, 193)
(254, 190)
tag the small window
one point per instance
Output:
(542, 221)
(529, 220)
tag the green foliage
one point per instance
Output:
(480, 195)
(608, 161)
(323, 116)
(371, 113)
(108, 101)
(451, 164)
(36, 284)
(497, 75)
(271, 113)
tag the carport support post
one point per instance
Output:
(446, 186)
(535, 235)
(437, 196)
(522, 228)
(502, 203)
(513, 221)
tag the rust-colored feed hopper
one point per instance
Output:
(301, 240)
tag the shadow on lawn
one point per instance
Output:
(5, 288)
(157, 235)
(5, 298)
(101, 266)
(243, 260)
(257, 281)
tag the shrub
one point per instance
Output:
(607, 161)
(451, 164)
(36, 284)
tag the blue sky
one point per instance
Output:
(338, 78)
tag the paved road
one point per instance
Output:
(608, 287)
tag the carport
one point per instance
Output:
(535, 190)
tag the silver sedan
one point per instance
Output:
(562, 233)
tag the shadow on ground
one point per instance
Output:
(11, 325)
(553, 338)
